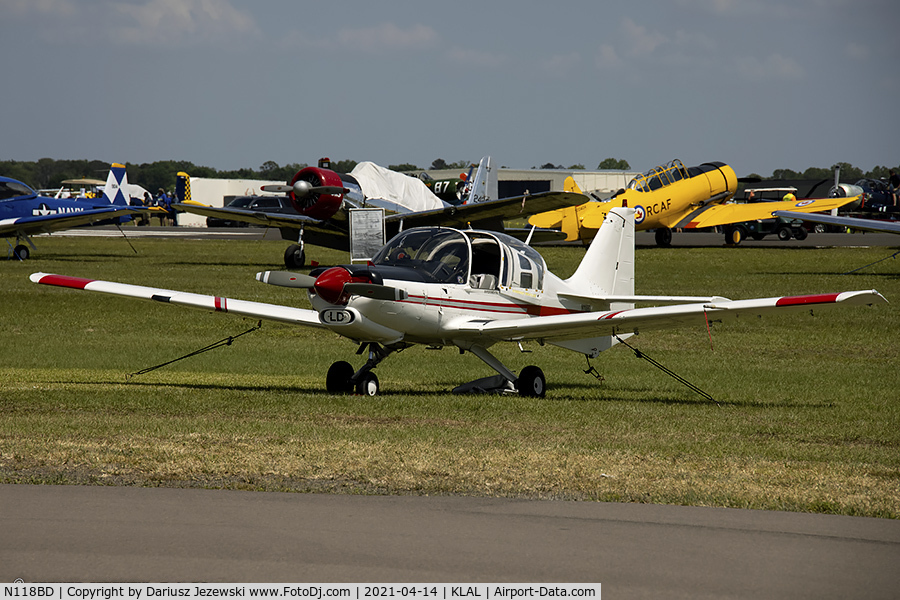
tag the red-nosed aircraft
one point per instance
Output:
(323, 201)
(471, 289)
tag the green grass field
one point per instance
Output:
(806, 414)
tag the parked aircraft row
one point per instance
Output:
(471, 289)
(324, 200)
(667, 197)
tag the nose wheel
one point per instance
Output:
(367, 385)
(341, 379)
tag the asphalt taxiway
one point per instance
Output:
(92, 534)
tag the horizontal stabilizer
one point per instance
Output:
(650, 299)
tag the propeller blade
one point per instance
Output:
(281, 189)
(377, 292)
(329, 189)
(286, 279)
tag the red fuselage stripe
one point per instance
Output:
(494, 307)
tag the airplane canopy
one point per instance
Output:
(10, 189)
(479, 258)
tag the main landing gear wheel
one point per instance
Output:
(734, 236)
(531, 382)
(338, 379)
(663, 237)
(367, 385)
(294, 257)
(21, 252)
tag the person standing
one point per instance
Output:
(894, 183)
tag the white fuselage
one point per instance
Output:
(431, 313)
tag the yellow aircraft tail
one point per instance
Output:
(569, 185)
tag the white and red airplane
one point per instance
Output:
(471, 289)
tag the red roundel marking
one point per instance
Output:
(78, 283)
(813, 299)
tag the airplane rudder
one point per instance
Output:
(116, 181)
(608, 264)
(183, 187)
(569, 185)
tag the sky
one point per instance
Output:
(229, 84)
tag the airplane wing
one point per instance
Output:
(244, 308)
(330, 233)
(254, 217)
(58, 222)
(725, 214)
(489, 214)
(851, 222)
(595, 324)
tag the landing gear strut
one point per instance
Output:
(529, 383)
(20, 251)
(295, 256)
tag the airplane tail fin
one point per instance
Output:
(608, 265)
(183, 187)
(483, 187)
(607, 269)
(116, 184)
(569, 185)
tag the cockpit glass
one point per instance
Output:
(529, 272)
(441, 254)
(10, 190)
(658, 177)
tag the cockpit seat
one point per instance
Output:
(483, 281)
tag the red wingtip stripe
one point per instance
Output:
(221, 304)
(812, 299)
(78, 283)
(610, 315)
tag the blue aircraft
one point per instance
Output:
(24, 213)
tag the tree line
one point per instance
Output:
(48, 173)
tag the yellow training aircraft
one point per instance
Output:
(674, 197)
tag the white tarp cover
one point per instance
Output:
(378, 182)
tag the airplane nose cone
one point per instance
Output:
(330, 285)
